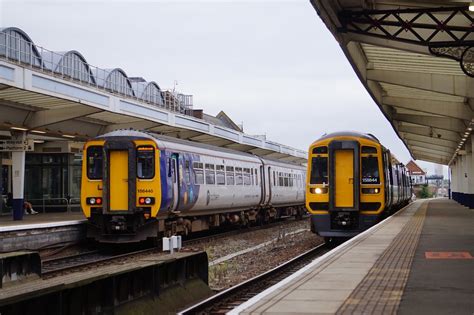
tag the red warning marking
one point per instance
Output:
(448, 255)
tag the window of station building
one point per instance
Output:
(145, 162)
(94, 162)
(198, 173)
(247, 180)
(319, 170)
(220, 175)
(210, 174)
(370, 170)
(238, 176)
(229, 173)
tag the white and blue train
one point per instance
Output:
(136, 185)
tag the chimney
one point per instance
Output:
(197, 113)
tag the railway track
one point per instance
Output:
(225, 301)
(56, 266)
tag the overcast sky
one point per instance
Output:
(271, 65)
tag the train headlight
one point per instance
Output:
(319, 190)
(146, 201)
(94, 201)
(370, 190)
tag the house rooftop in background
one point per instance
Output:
(414, 169)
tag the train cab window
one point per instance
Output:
(370, 170)
(238, 176)
(366, 149)
(198, 173)
(320, 150)
(210, 174)
(94, 162)
(247, 180)
(319, 170)
(145, 162)
(229, 173)
(220, 175)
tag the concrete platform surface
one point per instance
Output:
(418, 261)
(41, 220)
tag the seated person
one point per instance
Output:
(28, 208)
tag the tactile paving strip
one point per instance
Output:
(382, 288)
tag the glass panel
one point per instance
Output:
(319, 170)
(247, 180)
(198, 173)
(210, 174)
(230, 175)
(370, 170)
(238, 176)
(145, 162)
(94, 162)
(220, 175)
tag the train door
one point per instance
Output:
(262, 185)
(269, 178)
(174, 170)
(119, 181)
(344, 167)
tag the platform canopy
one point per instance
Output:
(58, 95)
(416, 59)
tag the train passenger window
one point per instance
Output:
(198, 173)
(238, 176)
(247, 180)
(370, 170)
(145, 162)
(187, 172)
(94, 162)
(256, 177)
(251, 177)
(286, 180)
(319, 170)
(210, 174)
(220, 175)
(229, 173)
(281, 181)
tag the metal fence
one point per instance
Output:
(72, 66)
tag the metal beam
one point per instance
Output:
(445, 123)
(457, 85)
(449, 109)
(137, 125)
(430, 146)
(433, 159)
(431, 151)
(53, 116)
(430, 132)
(431, 140)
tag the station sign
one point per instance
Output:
(17, 145)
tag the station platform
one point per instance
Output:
(418, 261)
(41, 230)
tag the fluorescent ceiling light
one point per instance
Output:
(69, 136)
(38, 141)
(19, 128)
(38, 131)
(471, 7)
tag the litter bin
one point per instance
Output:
(18, 209)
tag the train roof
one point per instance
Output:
(356, 134)
(171, 140)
